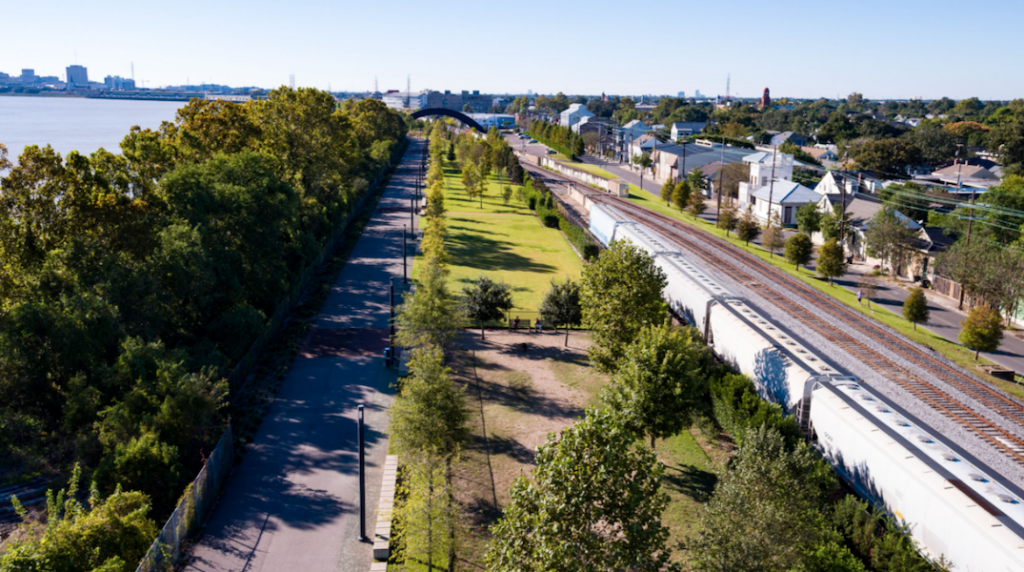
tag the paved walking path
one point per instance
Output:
(292, 504)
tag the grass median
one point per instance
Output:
(504, 242)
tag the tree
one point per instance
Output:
(765, 511)
(681, 195)
(727, 218)
(915, 307)
(572, 516)
(467, 108)
(982, 330)
(428, 427)
(696, 205)
(774, 238)
(799, 249)
(642, 161)
(730, 177)
(660, 381)
(667, 190)
(747, 227)
(620, 293)
(429, 414)
(889, 238)
(429, 317)
(112, 534)
(506, 194)
(808, 218)
(868, 287)
(888, 156)
(832, 223)
(484, 300)
(561, 306)
(698, 180)
(831, 260)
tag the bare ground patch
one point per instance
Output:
(516, 398)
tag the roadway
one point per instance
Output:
(292, 502)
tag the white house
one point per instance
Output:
(686, 129)
(766, 195)
(781, 197)
(570, 117)
(635, 129)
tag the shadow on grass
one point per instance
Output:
(509, 447)
(484, 253)
(690, 481)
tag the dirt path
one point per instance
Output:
(516, 398)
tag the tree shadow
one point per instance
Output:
(690, 481)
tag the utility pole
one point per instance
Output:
(405, 280)
(970, 215)
(392, 321)
(771, 187)
(721, 177)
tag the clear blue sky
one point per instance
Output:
(884, 49)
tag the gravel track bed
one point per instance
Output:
(965, 437)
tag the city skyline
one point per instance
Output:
(883, 53)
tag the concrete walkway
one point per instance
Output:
(292, 504)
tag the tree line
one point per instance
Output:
(132, 283)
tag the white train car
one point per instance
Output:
(954, 507)
(689, 291)
(781, 367)
(604, 220)
(650, 241)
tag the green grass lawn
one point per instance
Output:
(592, 169)
(951, 350)
(690, 478)
(503, 241)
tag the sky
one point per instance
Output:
(892, 49)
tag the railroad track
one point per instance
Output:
(1004, 441)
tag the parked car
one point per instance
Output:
(551, 151)
(532, 141)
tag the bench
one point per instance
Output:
(523, 324)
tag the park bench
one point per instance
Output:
(523, 324)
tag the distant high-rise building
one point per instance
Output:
(78, 76)
(766, 99)
(28, 76)
(118, 83)
(696, 94)
(682, 94)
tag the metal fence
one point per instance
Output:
(199, 497)
(195, 504)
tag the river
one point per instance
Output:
(75, 123)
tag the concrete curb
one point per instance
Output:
(382, 532)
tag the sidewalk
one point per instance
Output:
(293, 501)
(943, 316)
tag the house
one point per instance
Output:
(642, 144)
(771, 188)
(795, 138)
(861, 209)
(686, 129)
(635, 128)
(780, 197)
(820, 154)
(570, 117)
(852, 181)
(671, 160)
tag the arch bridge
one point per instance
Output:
(457, 115)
